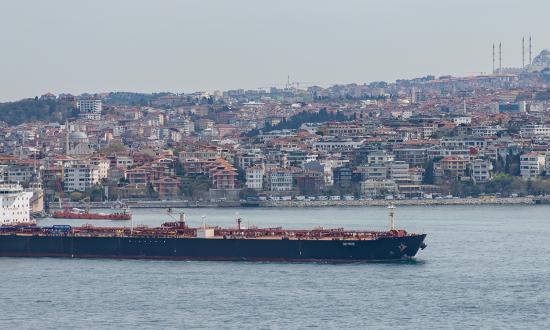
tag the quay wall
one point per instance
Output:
(175, 204)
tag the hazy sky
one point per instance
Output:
(80, 46)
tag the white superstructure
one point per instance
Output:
(14, 204)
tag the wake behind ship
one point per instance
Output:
(175, 240)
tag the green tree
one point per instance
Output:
(27, 110)
(76, 196)
(429, 173)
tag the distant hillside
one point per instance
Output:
(27, 110)
(295, 121)
(132, 99)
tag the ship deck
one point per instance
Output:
(319, 234)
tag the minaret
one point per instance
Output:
(530, 57)
(500, 57)
(523, 53)
(67, 138)
(493, 58)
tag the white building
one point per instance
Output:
(465, 120)
(337, 145)
(532, 165)
(377, 188)
(79, 177)
(535, 130)
(89, 106)
(103, 166)
(255, 178)
(481, 170)
(14, 204)
(486, 130)
(379, 157)
(249, 158)
(373, 171)
(279, 180)
(398, 171)
(91, 115)
(124, 161)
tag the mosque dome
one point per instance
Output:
(78, 136)
(542, 59)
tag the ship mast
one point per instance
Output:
(131, 226)
(238, 220)
(182, 219)
(391, 207)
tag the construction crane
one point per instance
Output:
(62, 202)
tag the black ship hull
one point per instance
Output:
(231, 249)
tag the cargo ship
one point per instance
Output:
(178, 241)
(86, 214)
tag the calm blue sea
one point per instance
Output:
(485, 266)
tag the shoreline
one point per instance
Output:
(327, 203)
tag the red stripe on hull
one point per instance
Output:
(187, 258)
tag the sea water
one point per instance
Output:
(485, 266)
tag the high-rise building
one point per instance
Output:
(90, 108)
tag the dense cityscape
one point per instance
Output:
(424, 138)
(274, 164)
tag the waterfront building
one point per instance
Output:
(399, 172)
(373, 171)
(255, 177)
(310, 182)
(532, 164)
(279, 180)
(378, 188)
(342, 176)
(482, 170)
(79, 177)
(103, 165)
(452, 167)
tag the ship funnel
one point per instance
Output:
(391, 209)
